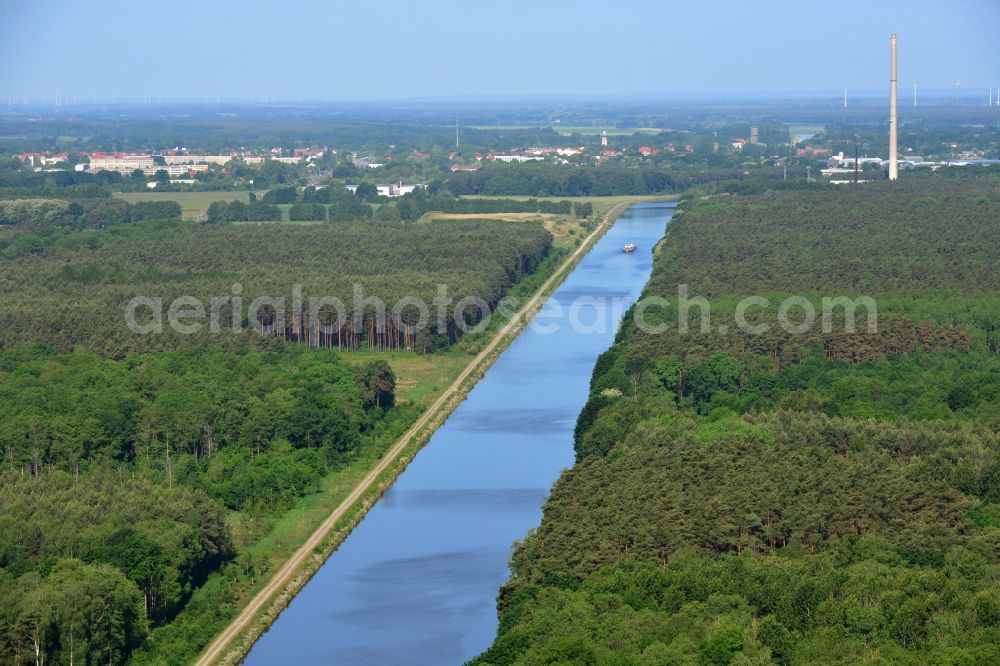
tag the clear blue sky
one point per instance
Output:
(408, 48)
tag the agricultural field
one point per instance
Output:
(567, 231)
(194, 205)
(805, 130)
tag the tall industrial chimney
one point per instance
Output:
(893, 166)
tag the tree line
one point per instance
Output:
(85, 213)
(339, 204)
(74, 289)
(239, 211)
(572, 181)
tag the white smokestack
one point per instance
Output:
(893, 167)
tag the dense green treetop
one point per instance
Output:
(789, 498)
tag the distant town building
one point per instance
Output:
(173, 181)
(390, 190)
(754, 137)
(196, 159)
(395, 189)
(124, 165)
(464, 167)
(604, 138)
(128, 164)
(309, 153)
(516, 158)
(840, 161)
(43, 159)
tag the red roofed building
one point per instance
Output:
(307, 152)
(809, 150)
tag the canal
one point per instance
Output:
(417, 579)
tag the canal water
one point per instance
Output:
(416, 581)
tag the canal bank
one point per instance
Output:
(256, 616)
(415, 582)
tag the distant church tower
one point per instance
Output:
(604, 138)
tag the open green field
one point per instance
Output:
(805, 130)
(566, 230)
(805, 127)
(194, 205)
(420, 378)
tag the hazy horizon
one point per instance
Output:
(453, 51)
